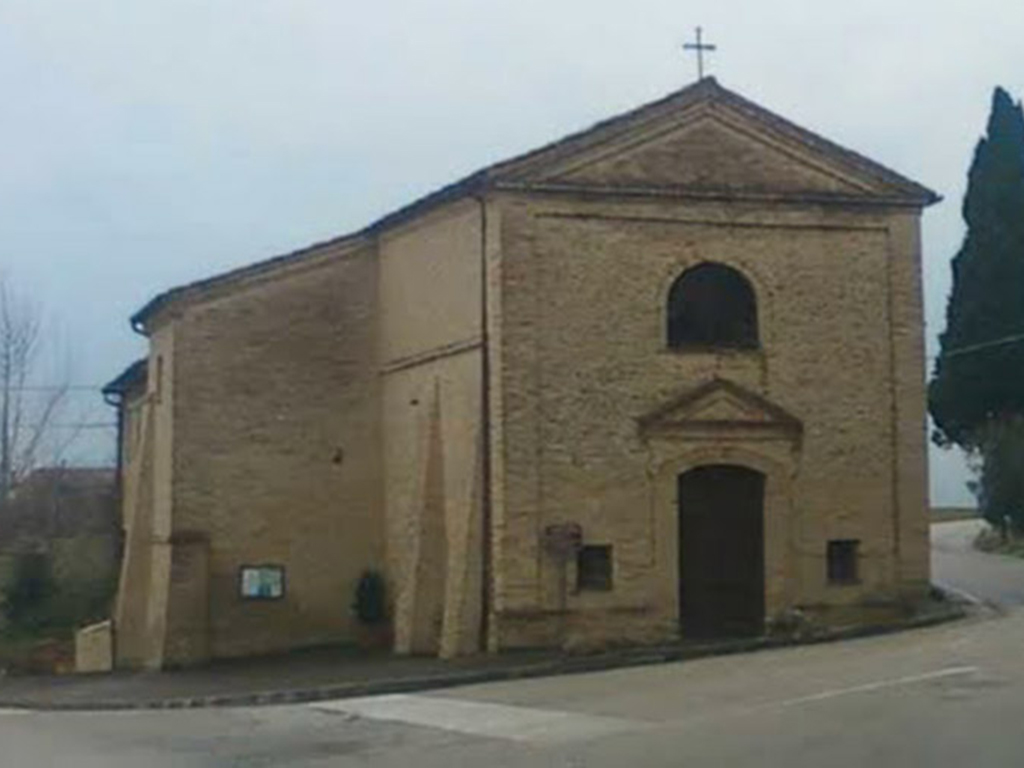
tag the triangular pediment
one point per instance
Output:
(709, 154)
(706, 140)
(720, 406)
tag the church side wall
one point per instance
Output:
(277, 457)
(131, 604)
(163, 392)
(431, 364)
(910, 415)
(146, 501)
(584, 355)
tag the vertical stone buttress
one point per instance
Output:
(420, 605)
(131, 606)
(460, 631)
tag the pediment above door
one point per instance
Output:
(720, 409)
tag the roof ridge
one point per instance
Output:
(705, 89)
(858, 160)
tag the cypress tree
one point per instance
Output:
(978, 383)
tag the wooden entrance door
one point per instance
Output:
(721, 551)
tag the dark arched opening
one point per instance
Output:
(712, 306)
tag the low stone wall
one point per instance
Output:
(94, 648)
(952, 514)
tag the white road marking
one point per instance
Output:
(13, 711)
(876, 686)
(754, 709)
(498, 721)
(962, 594)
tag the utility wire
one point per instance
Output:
(85, 425)
(1017, 337)
(52, 387)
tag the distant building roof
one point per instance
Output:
(129, 378)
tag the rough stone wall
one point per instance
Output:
(286, 389)
(188, 603)
(129, 606)
(431, 363)
(145, 496)
(583, 355)
(326, 414)
(911, 471)
(161, 392)
(277, 450)
(680, 159)
(94, 648)
(136, 506)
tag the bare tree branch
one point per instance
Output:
(27, 413)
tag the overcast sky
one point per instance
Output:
(147, 144)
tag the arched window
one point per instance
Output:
(712, 305)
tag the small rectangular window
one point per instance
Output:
(594, 568)
(842, 561)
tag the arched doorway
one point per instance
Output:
(721, 551)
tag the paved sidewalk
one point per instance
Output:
(337, 673)
(297, 676)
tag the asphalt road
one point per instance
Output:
(947, 696)
(955, 563)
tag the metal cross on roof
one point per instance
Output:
(699, 47)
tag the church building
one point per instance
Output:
(660, 379)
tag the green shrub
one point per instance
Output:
(370, 604)
(28, 593)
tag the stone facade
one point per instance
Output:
(430, 396)
(94, 648)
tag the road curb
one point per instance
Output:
(565, 665)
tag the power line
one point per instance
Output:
(77, 425)
(86, 425)
(54, 387)
(983, 345)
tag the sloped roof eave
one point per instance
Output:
(474, 183)
(710, 193)
(504, 172)
(130, 376)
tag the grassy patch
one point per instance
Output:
(39, 615)
(989, 540)
(37, 651)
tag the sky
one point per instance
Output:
(145, 145)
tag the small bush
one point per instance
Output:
(28, 593)
(991, 540)
(370, 604)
